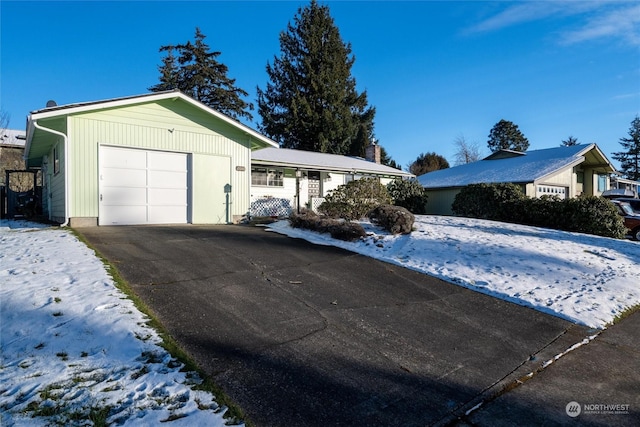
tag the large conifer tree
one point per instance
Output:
(196, 72)
(311, 102)
(428, 162)
(505, 135)
(630, 158)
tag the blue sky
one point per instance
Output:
(435, 71)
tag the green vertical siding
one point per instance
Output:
(56, 184)
(167, 126)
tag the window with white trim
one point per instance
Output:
(56, 159)
(268, 177)
(552, 190)
(602, 182)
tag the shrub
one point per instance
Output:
(395, 219)
(488, 201)
(588, 214)
(594, 215)
(408, 193)
(355, 199)
(337, 228)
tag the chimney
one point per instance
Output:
(372, 152)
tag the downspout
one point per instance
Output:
(67, 169)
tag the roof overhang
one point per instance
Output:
(596, 159)
(324, 168)
(258, 140)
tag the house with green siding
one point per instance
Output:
(159, 158)
(563, 172)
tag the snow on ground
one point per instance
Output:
(73, 344)
(582, 278)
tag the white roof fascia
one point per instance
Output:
(299, 159)
(595, 146)
(328, 168)
(140, 99)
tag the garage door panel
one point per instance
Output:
(167, 197)
(167, 161)
(122, 215)
(167, 179)
(113, 157)
(118, 177)
(123, 196)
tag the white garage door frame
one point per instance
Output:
(142, 186)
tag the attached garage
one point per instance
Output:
(160, 158)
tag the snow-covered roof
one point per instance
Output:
(517, 167)
(286, 157)
(12, 137)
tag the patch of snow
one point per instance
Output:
(71, 340)
(585, 279)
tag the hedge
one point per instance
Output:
(507, 202)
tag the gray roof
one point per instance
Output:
(516, 167)
(286, 157)
(13, 138)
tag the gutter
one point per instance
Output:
(67, 187)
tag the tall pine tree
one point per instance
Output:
(630, 158)
(505, 135)
(311, 102)
(196, 72)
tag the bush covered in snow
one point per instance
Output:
(408, 193)
(395, 219)
(506, 202)
(338, 228)
(354, 200)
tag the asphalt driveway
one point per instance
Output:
(304, 335)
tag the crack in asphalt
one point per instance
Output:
(486, 396)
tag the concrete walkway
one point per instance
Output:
(304, 335)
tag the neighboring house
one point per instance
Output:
(147, 159)
(11, 151)
(562, 171)
(284, 179)
(622, 187)
(12, 159)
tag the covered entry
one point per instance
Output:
(142, 186)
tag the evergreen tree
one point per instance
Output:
(630, 158)
(386, 159)
(196, 72)
(569, 142)
(505, 135)
(311, 102)
(428, 162)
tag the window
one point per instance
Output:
(602, 182)
(552, 190)
(56, 159)
(267, 177)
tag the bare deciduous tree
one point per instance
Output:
(467, 151)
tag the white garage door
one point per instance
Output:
(142, 187)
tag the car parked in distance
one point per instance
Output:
(631, 219)
(634, 203)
